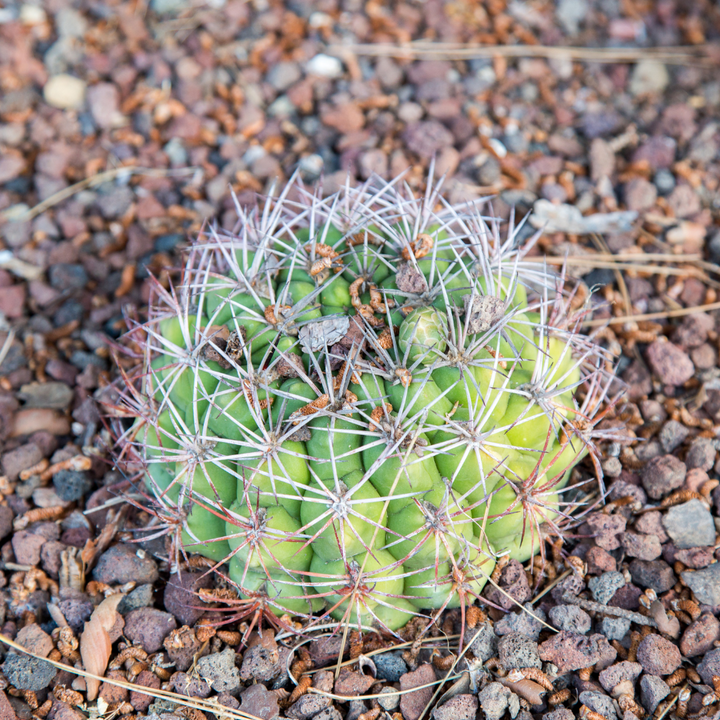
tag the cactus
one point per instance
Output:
(358, 402)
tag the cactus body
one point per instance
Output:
(358, 402)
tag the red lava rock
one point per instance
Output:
(700, 636)
(344, 118)
(695, 558)
(12, 300)
(189, 686)
(181, 597)
(513, 581)
(63, 711)
(614, 675)
(645, 547)
(710, 666)
(6, 521)
(325, 650)
(27, 547)
(655, 574)
(693, 331)
(427, 138)
(650, 523)
(50, 556)
(112, 693)
(572, 651)
(22, 458)
(259, 702)
(460, 707)
(600, 561)
(669, 362)
(140, 701)
(658, 656)
(7, 712)
(28, 421)
(352, 684)
(658, 151)
(684, 201)
(606, 529)
(104, 100)
(125, 563)
(413, 704)
(662, 475)
(149, 627)
(640, 194)
(34, 639)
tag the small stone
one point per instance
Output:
(324, 66)
(67, 276)
(600, 561)
(22, 458)
(664, 181)
(658, 656)
(710, 666)
(614, 675)
(34, 639)
(648, 77)
(260, 663)
(112, 693)
(570, 618)
(526, 623)
(482, 641)
(662, 475)
(605, 586)
(219, 671)
(614, 628)
(606, 529)
(670, 363)
(259, 702)
(427, 138)
(389, 699)
(182, 647)
(413, 703)
(27, 546)
(705, 584)
(639, 194)
(494, 700)
(141, 596)
(76, 611)
(700, 636)
(344, 118)
(599, 703)
(283, 74)
(654, 574)
(572, 651)
(71, 485)
(645, 547)
(672, 435)
(189, 685)
(125, 563)
(658, 151)
(65, 92)
(390, 666)
(149, 627)
(140, 701)
(701, 455)
(518, 651)
(180, 596)
(460, 707)
(514, 583)
(690, 525)
(602, 159)
(325, 650)
(653, 690)
(352, 684)
(104, 103)
(28, 673)
(560, 714)
(309, 705)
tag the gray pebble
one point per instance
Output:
(518, 651)
(690, 525)
(390, 666)
(571, 618)
(141, 596)
(71, 485)
(614, 628)
(522, 622)
(605, 586)
(482, 640)
(389, 699)
(652, 691)
(600, 703)
(28, 673)
(705, 584)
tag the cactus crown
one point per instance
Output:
(358, 401)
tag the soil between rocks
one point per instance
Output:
(123, 128)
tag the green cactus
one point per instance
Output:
(359, 402)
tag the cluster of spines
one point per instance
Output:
(265, 454)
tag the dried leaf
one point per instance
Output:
(316, 335)
(95, 644)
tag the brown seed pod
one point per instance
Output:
(681, 496)
(559, 697)
(473, 616)
(534, 674)
(419, 247)
(300, 689)
(676, 678)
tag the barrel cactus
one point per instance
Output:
(354, 404)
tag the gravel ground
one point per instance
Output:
(122, 129)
